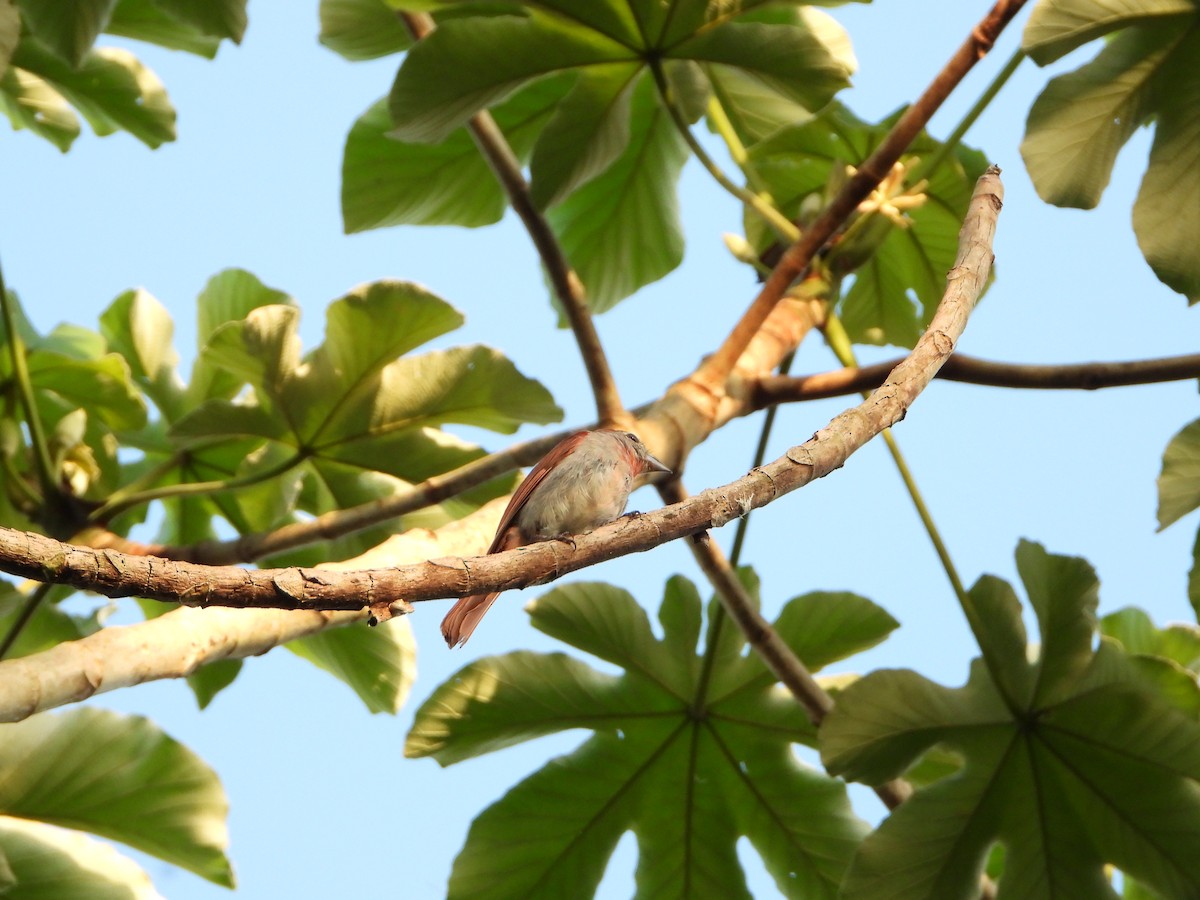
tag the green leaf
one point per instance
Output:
(1177, 642)
(789, 61)
(1167, 659)
(1194, 578)
(351, 422)
(688, 771)
(68, 28)
(1094, 767)
(48, 626)
(121, 778)
(1166, 215)
(111, 88)
(1083, 118)
(621, 230)
(369, 327)
(10, 31)
(379, 664)
(362, 29)
(139, 328)
(587, 134)
(1179, 481)
(209, 680)
(46, 863)
(390, 182)
(230, 296)
(1056, 27)
(464, 385)
(218, 18)
(102, 386)
(1145, 73)
(30, 102)
(757, 111)
(149, 21)
(467, 65)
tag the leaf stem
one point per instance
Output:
(37, 435)
(717, 622)
(839, 342)
(124, 499)
(777, 221)
(31, 606)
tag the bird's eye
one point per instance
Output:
(633, 437)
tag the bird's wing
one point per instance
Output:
(536, 475)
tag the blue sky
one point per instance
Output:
(323, 803)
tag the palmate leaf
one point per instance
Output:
(605, 165)
(1072, 761)
(904, 262)
(121, 778)
(39, 862)
(688, 773)
(1145, 73)
(348, 423)
(83, 394)
(386, 181)
(1179, 481)
(67, 29)
(362, 29)
(351, 398)
(111, 88)
(56, 71)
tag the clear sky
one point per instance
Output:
(323, 802)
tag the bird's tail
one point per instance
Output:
(464, 616)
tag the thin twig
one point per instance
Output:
(338, 523)
(776, 654)
(712, 374)
(43, 464)
(32, 602)
(566, 284)
(1089, 376)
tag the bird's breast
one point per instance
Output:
(576, 497)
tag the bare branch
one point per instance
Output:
(712, 374)
(177, 644)
(1091, 376)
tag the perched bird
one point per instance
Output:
(581, 484)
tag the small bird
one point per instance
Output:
(582, 483)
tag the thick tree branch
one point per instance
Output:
(712, 374)
(1092, 376)
(566, 284)
(177, 644)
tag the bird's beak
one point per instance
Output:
(653, 466)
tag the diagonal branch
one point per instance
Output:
(178, 643)
(712, 374)
(567, 287)
(117, 574)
